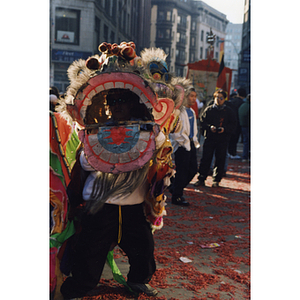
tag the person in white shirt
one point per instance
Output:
(184, 145)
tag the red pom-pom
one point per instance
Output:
(92, 63)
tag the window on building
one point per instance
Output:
(201, 52)
(112, 37)
(172, 53)
(124, 21)
(169, 15)
(168, 33)
(194, 25)
(105, 33)
(177, 53)
(192, 57)
(193, 41)
(178, 19)
(178, 37)
(160, 34)
(107, 6)
(202, 35)
(167, 50)
(97, 34)
(161, 15)
(67, 26)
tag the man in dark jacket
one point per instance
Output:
(244, 119)
(234, 103)
(218, 122)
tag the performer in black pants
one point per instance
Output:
(113, 224)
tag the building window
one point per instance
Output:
(161, 16)
(112, 37)
(193, 41)
(169, 15)
(168, 33)
(107, 7)
(202, 35)
(67, 26)
(97, 34)
(178, 37)
(178, 19)
(194, 25)
(160, 34)
(105, 37)
(201, 52)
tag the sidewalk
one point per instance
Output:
(212, 234)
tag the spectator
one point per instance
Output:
(54, 96)
(244, 118)
(218, 122)
(185, 143)
(234, 103)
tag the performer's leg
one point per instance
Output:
(98, 233)
(137, 242)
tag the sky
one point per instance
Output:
(233, 9)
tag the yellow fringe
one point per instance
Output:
(120, 225)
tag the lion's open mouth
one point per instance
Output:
(115, 110)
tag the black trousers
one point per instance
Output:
(211, 146)
(186, 169)
(232, 145)
(99, 232)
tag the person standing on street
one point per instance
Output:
(218, 122)
(235, 103)
(244, 118)
(184, 144)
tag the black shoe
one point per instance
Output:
(180, 201)
(215, 184)
(199, 183)
(142, 288)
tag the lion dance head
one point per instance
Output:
(120, 140)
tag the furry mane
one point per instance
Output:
(148, 55)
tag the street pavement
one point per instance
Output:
(203, 250)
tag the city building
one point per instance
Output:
(232, 48)
(181, 28)
(244, 76)
(77, 28)
(209, 19)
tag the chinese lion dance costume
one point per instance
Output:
(123, 153)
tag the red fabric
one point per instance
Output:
(208, 65)
(195, 108)
(221, 81)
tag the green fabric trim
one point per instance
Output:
(57, 239)
(116, 272)
(71, 148)
(56, 166)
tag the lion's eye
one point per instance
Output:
(156, 76)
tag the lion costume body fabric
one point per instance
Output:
(124, 154)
